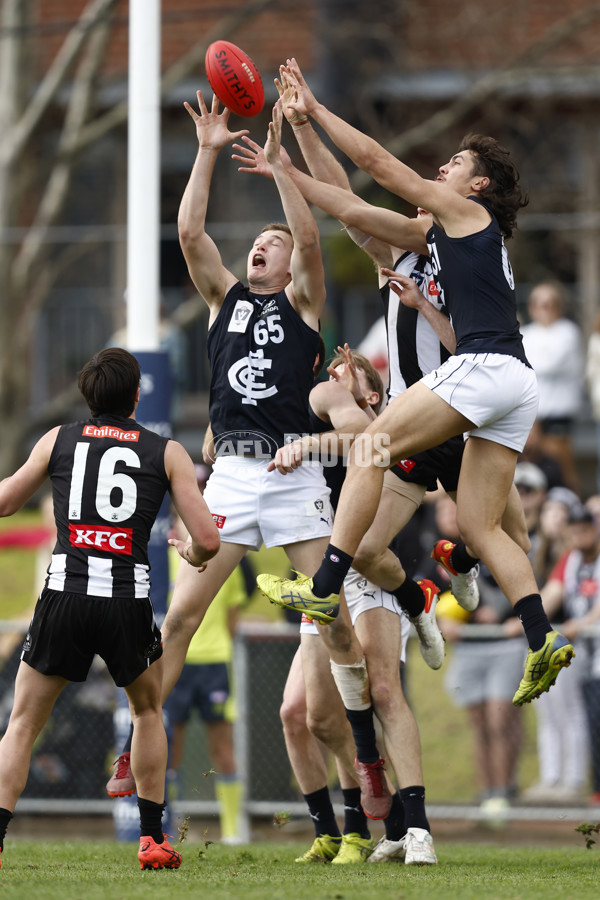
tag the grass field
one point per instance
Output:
(76, 870)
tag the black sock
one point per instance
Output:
(363, 731)
(413, 800)
(321, 812)
(151, 819)
(5, 817)
(127, 744)
(395, 821)
(355, 821)
(534, 620)
(410, 597)
(460, 559)
(330, 576)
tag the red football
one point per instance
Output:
(234, 78)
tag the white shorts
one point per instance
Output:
(496, 391)
(362, 595)
(252, 506)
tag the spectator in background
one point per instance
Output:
(551, 537)
(481, 677)
(561, 728)
(532, 487)
(569, 718)
(592, 372)
(553, 347)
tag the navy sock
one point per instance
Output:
(363, 731)
(461, 560)
(151, 819)
(5, 817)
(534, 620)
(413, 800)
(410, 597)
(330, 576)
(395, 821)
(321, 812)
(355, 821)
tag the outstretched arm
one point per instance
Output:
(307, 289)
(17, 489)
(203, 259)
(334, 404)
(384, 225)
(323, 166)
(341, 403)
(445, 204)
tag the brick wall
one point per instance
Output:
(460, 34)
(436, 34)
(282, 30)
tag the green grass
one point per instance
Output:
(74, 870)
(18, 569)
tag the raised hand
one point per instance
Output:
(346, 373)
(273, 144)
(407, 289)
(212, 127)
(288, 95)
(304, 102)
(253, 157)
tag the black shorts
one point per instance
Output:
(205, 687)
(559, 426)
(68, 629)
(441, 462)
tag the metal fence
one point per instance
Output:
(71, 757)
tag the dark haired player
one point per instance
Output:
(109, 476)
(488, 389)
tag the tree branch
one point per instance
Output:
(53, 198)
(17, 139)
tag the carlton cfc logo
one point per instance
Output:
(88, 537)
(246, 376)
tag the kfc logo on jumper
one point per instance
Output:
(109, 431)
(89, 537)
(218, 520)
